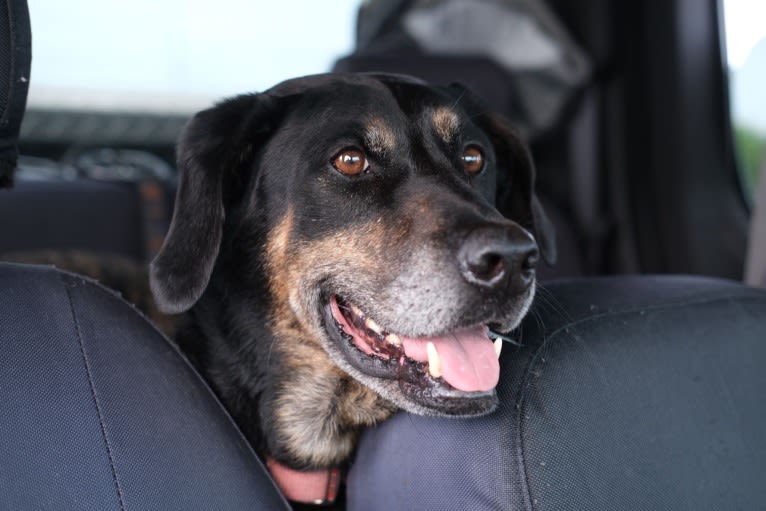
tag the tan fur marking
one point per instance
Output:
(319, 410)
(446, 122)
(379, 137)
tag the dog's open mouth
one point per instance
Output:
(454, 373)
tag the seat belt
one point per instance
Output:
(15, 61)
(755, 263)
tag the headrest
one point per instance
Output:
(15, 61)
(545, 68)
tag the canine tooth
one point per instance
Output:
(498, 346)
(393, 339)
(372, 326)
(355, 310)
(434, 364)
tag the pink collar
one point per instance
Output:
(308, 487)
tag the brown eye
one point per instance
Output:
(473, 159)
(351, 162)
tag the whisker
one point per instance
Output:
(459, 98)
(553, 303)
(505, 338)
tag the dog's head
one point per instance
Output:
(366, 205)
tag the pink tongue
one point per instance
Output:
(468, 359)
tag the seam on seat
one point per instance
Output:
(114, 295)
(548, 340)
(94, 395)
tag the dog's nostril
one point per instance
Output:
(487, 267)
(527, 260)
(530, 261)
(497, 259)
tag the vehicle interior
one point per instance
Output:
(639, 380)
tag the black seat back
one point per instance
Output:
(101, 412)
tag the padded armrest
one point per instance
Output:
(629, 393)
(100, 412)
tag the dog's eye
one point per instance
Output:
(473, 159)
(351, 162)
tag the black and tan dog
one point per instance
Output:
(336, 245)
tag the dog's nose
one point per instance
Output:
(499, 258)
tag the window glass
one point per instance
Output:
(745, 29)
(178, 55)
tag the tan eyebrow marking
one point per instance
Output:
(446, 122)
(379, 137)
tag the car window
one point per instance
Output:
(745, 42)
(178, 55)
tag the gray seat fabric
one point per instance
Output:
(629, 393)
(100, 412)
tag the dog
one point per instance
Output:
(337, 250)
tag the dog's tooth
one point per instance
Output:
(372, 326)
(393, 339)
(355, 310)
(434, 364)
(498, 346)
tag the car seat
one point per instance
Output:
(100, 411)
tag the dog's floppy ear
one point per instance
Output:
(213, 153)
(516, 197)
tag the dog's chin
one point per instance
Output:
(451, 374)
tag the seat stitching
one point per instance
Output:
(547, 340)
(111, 294)
(94, 395)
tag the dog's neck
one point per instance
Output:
(307, 487)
